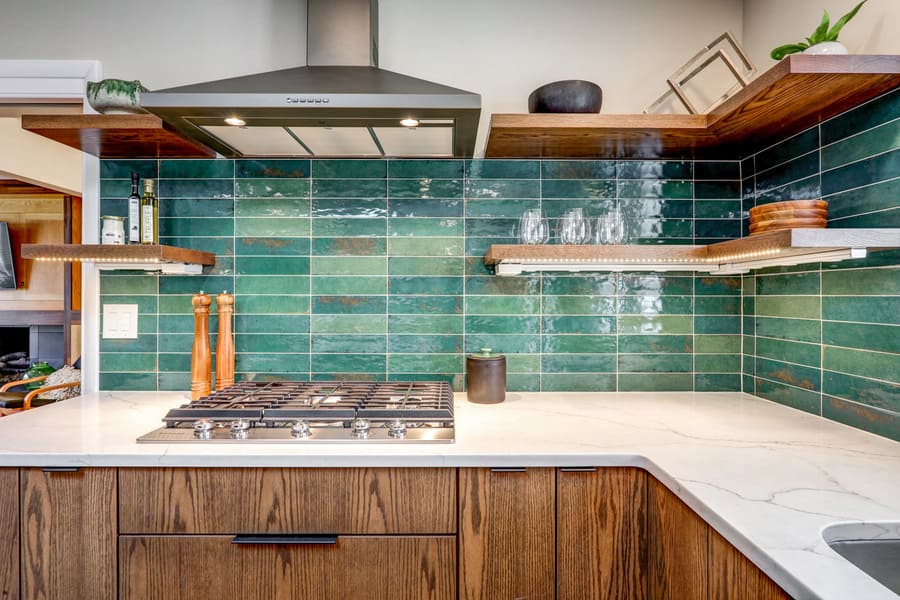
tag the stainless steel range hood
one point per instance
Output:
(341, 104)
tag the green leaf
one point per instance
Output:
(833, 33)
(782, 51)
(822, 30)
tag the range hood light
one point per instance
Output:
(409, 122)
(236, 121)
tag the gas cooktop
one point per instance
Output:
(305, 411)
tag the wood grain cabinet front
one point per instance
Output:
(9, 534)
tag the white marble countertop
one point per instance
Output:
(768, 478)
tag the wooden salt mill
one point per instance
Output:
(225, 343)
(201, 359)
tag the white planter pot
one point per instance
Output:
(827, 48)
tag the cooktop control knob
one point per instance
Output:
(300, 429)
(203, 428)
(359, 428)
(397, 429)
(239, 428)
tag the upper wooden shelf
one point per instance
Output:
(798, 92)
(167, 259)
(116, 136)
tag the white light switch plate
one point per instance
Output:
(120, 321)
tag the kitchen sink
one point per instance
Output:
(872, 547)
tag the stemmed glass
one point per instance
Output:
(533, 227)
(611, 228)
(574, 228)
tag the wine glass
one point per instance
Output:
(533, 227)
(611, 228)
(574, 228)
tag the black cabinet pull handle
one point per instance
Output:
(284, 539)
(60, 469)
(508, 469)
(578, 469)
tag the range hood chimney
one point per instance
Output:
(339, 105)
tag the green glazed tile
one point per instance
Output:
(399, 207)
(798, 145)
(221, 247)
(578, 344)
(716, 229)
(196, 169)
(519, 382)
(657, 229)
(208, 227)
(748, 345)
(348, 227)
(790, 351)
(639, 208)
(656, 343)
(874, 141)
(505, 169)
(425, 188)
(447, 246)
(145, 342)
(717, 305)
(654, 324)
(181, 323)
(425, 324)
(398, 265)
(174, 362)
(868, 309)
(798, 307)
(348, 324)
(349, 246)
(136, 382)
(180, 208)
(655, 169)
(114, 206)
(494, 228)
(884, 338)
(717, 169)
(509, 344)
(368, 208)
(273, 305)
(147, 305)
(349, 168)
(593, 382)
(883, 218)
(123, 168)
(717, 190)
(179, 342)
(502, 324)
(272, 189)
(578, 169)
(271, 284)
(333, 305)
(502, 305)
(117, 361)
(808, 188)
(578, 305)
(433, 305)
(425, 363)
(272, 167)
(349, 265)
(438, 286)
(357, 284)
(250, 323)
(877, 168)
(555, 208)
(878, 394)
(792, 170)
(578, 363)
(348, 363)
(652, 382)
(116, 283)
(884, 258)
(717, 324)
(425, 227)
(476, 246)
(648, 188)
(271, 343)
(717, 382)
(195, 188)
(425, 343)
(115, 188)
(272, 207)
(599, 284)
(801, 399)
(349, 188)
(717, 363)
(503, 285)
(426, 168)
(482, 208)
(873, 420)
(273, 376)
(655, 363)
(876, 365)
(578, 188)
(271, 227)
(870, 282)
(717, 286)
(271, 363)
(883, 109)
(174, 382)
(272, 265)
(579, 324)
(717, 209)
(807, 378)
(349, 343)
(503, 188)
(520, 363)
(638, 305)
(269, 246)
(654, 284)
(793, 284)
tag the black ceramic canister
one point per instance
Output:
(486, 377)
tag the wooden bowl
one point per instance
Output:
(789, 205)
(797, 213)
(776, 224)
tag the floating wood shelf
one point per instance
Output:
(798, 92)
(774, 248)
(116, 136)
(167, 259)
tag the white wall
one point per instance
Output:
(501, 49)
(771, 23)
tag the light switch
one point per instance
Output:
(120, 321)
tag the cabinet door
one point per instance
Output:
(601, 539)
(678, 547)
(732, 575)
(9, 534)
(69, 534)
(506, 534)
(204, 567)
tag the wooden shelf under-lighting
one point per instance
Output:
(167, 259)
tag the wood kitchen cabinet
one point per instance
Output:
(601, 543)
(68, 533)
(732, 575)
(9, 534)
(506, 533)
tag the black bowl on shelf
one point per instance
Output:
(569, 96)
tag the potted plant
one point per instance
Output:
(823, 40)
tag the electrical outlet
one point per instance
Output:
(120, 321)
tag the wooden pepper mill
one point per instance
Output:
(201, 359)
(225, 343)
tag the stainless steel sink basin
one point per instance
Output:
(872, 547)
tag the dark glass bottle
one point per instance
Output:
(134, 212)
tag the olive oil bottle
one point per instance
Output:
(149, 214)
(134, 212)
